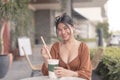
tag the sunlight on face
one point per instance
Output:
(64, 31)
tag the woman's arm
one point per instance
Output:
(85, 69)
(62, 72)
(53, 52)
(45, 58)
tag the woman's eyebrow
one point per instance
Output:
(65, 26)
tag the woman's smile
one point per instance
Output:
(63, 31)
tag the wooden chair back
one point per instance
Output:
(35, 68)
(97, 57)
(28, 59)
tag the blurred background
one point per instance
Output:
(96, 22)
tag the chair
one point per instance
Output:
(96, 58)
(95, 62)
(35, 68)
(25, 46)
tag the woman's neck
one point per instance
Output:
(71, 40)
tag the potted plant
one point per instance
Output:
(5, 57)
(11, 12)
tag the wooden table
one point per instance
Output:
(47, 78)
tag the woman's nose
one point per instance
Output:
(63, 31)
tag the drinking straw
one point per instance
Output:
(45, 47)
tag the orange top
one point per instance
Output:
(80, 64)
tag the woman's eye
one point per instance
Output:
(65, 28)
(58, 29)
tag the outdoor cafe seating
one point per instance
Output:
(37, 68)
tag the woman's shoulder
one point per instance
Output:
(82, 44)
(83, 48)
(55, 45)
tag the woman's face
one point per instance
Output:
(65, 32)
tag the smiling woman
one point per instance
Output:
(73, 55)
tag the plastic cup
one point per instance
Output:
(51, 64)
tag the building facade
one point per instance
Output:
(46, 10)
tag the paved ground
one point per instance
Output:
(20, 68)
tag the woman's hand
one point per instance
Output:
(45, 55)
(44, 52)
(61, 72)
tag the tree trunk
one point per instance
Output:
(5, 35)
(67, 7)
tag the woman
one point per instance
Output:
(73, 55)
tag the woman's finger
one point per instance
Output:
(58, 73)
(58, 68)
(44, 53)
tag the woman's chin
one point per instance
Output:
(65, 39)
